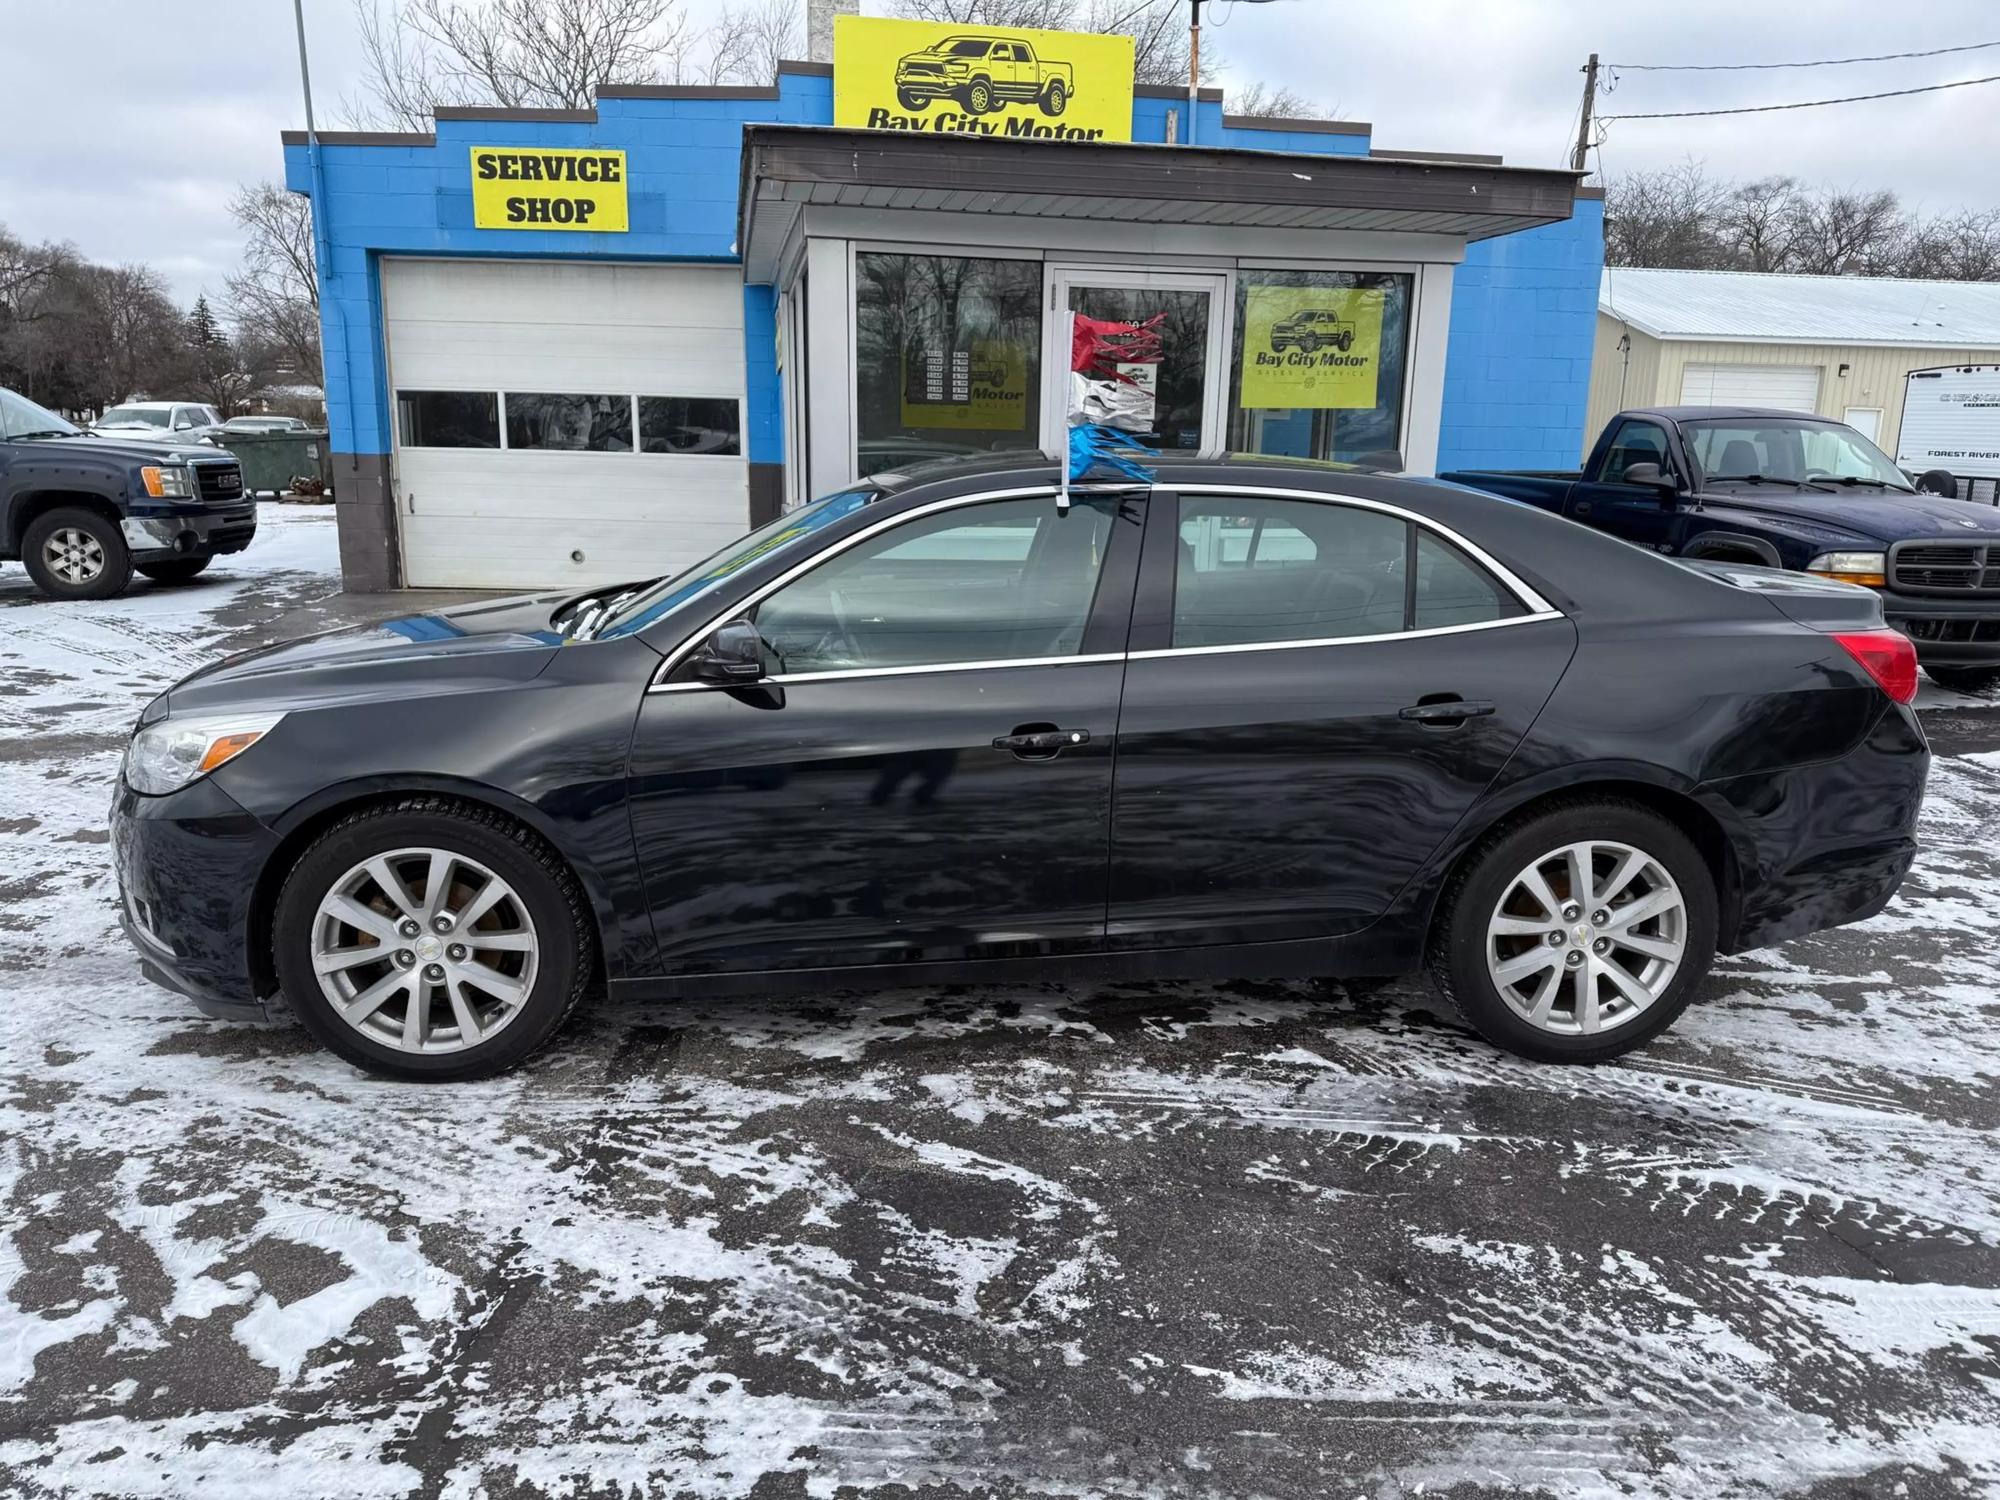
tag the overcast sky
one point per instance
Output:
(127, 124)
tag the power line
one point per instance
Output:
(1826, 62)
(1763, 109)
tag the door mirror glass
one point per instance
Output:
(732, 654)
(1649, 476)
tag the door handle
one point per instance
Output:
(1040, 741)
(1448, 711)
(1581, 508)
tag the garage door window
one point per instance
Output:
(577, 424)
(448, 419)
(689, 424)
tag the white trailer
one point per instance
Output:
(1951, 421)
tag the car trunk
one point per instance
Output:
(1818, 603)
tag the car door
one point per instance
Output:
(924, 773)
(1638, 513)
(1319, 689)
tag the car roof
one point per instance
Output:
(1723, 413)
(1028, 466)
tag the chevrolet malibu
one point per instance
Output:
(1257, 718)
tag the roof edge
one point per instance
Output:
(1463, 158)
(1301, 124)
(358, 138)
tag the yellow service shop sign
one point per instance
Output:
(980, 389)
(936, 78)
(540, 187)
(1317, 347)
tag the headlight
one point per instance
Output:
(167, 481)
(166, 756)
(1851, 567)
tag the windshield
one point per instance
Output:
(788, 530)
(21, 418)
(1791, 452)
(968, 47)
(134, 416)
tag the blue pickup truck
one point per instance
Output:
(1739, 484)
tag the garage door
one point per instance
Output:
(1786, 387)
(564, 425)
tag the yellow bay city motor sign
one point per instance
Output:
(540, 187)
(937, 78)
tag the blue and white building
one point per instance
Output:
(540, 406)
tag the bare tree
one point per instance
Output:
(274, 298)
(1279, 103)
(1963, 246)
(1846, 233)
(749, 41)
(1158, 28)
(1664, 218)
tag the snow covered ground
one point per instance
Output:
(1140, 1240)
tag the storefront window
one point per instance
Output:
(947, 356)
(1319, 364)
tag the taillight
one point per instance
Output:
(1885, 655)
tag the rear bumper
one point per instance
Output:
(1828, 843)
(187, 864)
(1947, 632)
(207, 533)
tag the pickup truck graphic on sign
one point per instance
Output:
(982, 73)
(1309, 329)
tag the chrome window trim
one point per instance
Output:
(778, 679)
(1349, 640)
(807, 564)
(1526, 597)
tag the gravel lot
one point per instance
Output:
(1158, 1240)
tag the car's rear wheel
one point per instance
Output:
(1056, 99)
(1577, 934)
(1979, 681)
(429, 939)
(73, 553)
(180, 570)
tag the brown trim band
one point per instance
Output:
(1302, 125)
(357, 138)
(810, 69)
(689, 91)
(1162, 91)
(1590, 194)
(495, 115)
(1469, 158)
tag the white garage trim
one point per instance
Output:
(501, 517)
(1786, 387)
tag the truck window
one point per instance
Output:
(1635, 442)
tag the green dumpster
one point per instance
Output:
(272, 460)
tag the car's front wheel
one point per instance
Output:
(431, 939)
(1978, 681)
(73, 553)
(911, 100)
(1577, 934)
(979, 96)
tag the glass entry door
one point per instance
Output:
(1188, 384)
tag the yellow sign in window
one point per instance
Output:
(1311, 347)
(541, 187)
(937, 78)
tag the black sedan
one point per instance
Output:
(1258, 718)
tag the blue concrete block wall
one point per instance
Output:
(1522, 317)
(1517, 366)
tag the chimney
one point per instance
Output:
(819, 26)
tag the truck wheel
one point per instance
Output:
(979, 96)
(179, 570)
(1309, 342)
(1056, 99)
(73, 553)
(911, 101)
(1978, 681)
(1346, 342)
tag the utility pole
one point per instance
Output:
(1578, 162)
(1194, 66)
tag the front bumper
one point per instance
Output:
(191, 533)
(1947, 631)
(187, 866)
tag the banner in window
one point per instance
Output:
(980, 388)
(939, 79)
(1311, 347)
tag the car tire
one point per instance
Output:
(1486, 927)
(979, 97)
(74, 553)
(536, 936)
(180, 570)
(1346, 342)
(911, 101)
(1978, 681)
(1056, 99)
(1309, 342)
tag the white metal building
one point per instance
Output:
(1837, 346)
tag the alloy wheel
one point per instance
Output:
(1587, 938)
(73, 555)
(424, 950)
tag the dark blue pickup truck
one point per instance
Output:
(1739, 484)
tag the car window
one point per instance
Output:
(20, 416)
(133, 416)
(1021, 53)
(997, 581)
(1452, 589)
(971, 47)
(1254, 569)
(1635, 443)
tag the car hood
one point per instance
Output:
(1887, 516)
(464, 649)
(128, 443)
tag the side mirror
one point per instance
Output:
(1649, 476)
(733, 654)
